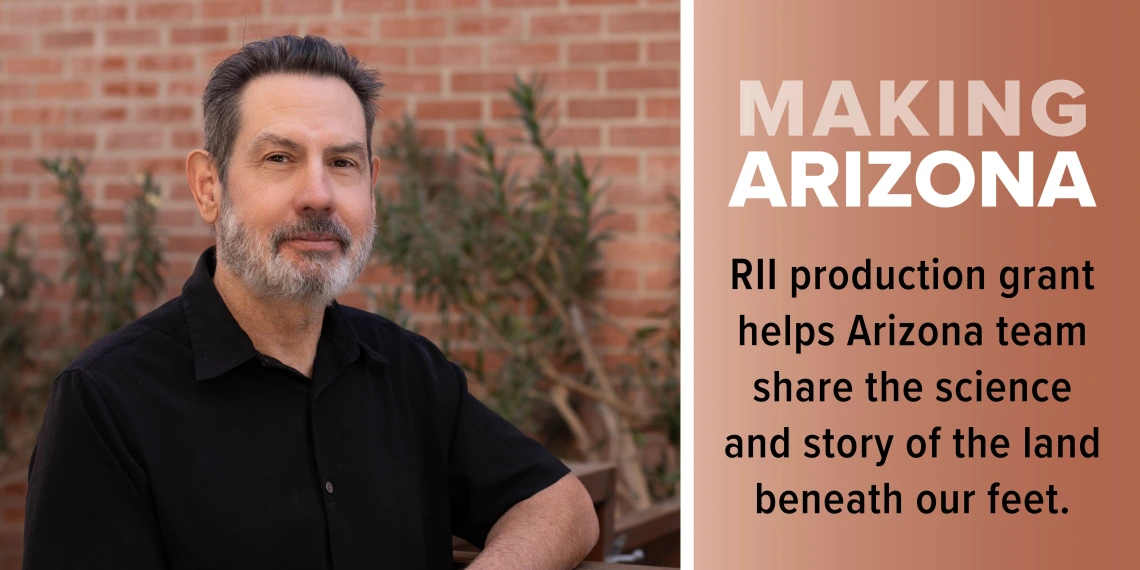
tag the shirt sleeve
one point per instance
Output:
(87, 504)
(493, 466)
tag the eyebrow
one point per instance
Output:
(277, 140)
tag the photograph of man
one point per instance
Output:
(254, 422)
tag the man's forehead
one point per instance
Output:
(289, 106)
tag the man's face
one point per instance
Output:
(297, 215)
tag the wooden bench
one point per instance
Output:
(655, 530)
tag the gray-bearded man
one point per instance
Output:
(253, 422)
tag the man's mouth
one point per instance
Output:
(312, 241)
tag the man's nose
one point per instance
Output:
(316, 191)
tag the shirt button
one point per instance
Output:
(329, 487)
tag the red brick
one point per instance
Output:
(504, 109)
(199, 35)
(370, 6)
(15, 190)
(15, 90)
(67, 140)
(334, 29)
(645, 136)
(575, 137)
(87, 114)
(663, 222)
(114, 216)
(39, 116)
(629, 251)
(35, 65)
(600, 2)
(162, 166)
(380, 55)
(449, 110)
(98, 63)
(165, 11)
(645, 22)
(166, 62)
(166, 113)
(500, 26)
(602, 108)
(63, 90)
(412, 82)
(665, 107)
(571, 80)
(390, 109)
(470, 54)
(663, 166)
(620, 279)
(232, 9)
(425, 5)
(643, 78)
(186, 87)
(182, 218)
(131, 37)
(611, 165)
(254, 32)
(33, 16)
(561, 24)
(24, 165)
(529, 53)
(640, 194)
(665, 51)
(300, 7)
(134, 140)
(67, 40)
(601, 52)
(15, 42)
(481, 81)
(187, 139)
(637, 307)
(102, 13)
(195, 244)
(130, 89)
(522, 3)
(108, 167)
(662, 279)
(391, 28)
(30, 215)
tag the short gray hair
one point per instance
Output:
(309, 55)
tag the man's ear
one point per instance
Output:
(375, 170)
(202, 175)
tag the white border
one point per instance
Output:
(687, 217)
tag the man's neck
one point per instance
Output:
(286, 331)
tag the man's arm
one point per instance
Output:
(553, 530)
(511, 496)
(87, 505)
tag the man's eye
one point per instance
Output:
(277, 158)
(342, 163)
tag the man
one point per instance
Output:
(253, 422)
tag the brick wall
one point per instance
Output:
(118, 82)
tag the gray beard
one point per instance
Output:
(319, 279)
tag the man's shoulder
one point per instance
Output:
(156, 335)
(392, 341)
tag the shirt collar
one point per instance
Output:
(218, 341)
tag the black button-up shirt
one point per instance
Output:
(173, 443)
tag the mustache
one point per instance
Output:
(321, 224)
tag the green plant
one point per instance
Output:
(18, 279)
(107, 290)
(512, 261)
